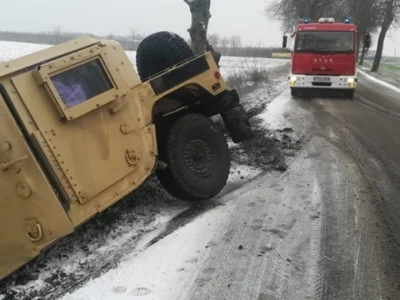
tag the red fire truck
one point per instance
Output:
(324, 56)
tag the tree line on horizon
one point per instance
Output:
(227, 46)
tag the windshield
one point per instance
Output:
(325, 42)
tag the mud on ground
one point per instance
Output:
(269, 148)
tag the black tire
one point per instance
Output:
(159, 51)
(189, 135)
(294, 92)
(349, 94)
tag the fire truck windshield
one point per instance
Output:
(324, 42)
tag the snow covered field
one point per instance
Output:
(12, 50)
(128, 228)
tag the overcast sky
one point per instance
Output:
(242, 17)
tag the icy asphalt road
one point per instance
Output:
(328, 228)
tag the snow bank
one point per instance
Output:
(381, 82)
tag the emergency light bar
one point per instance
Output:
(326, 20)
(306, 20)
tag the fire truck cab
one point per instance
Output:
(324, 56)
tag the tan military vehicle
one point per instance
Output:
(80, 129)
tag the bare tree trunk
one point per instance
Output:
(389, 17)
(379, 49)
(358, 47)
(131, 39)
(200, 10)
(361, 48)
(364, 51)
(57, 34)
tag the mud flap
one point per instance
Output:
(235, 118)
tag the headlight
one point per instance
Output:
(293, 78)
(350, 80)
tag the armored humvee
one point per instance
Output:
(80, 129)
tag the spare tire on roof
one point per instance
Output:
(159, 51)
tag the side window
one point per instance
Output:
(81, 83)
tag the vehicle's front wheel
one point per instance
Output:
(349, 94)
(197, 158)
(294, 92)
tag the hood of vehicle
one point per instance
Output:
(323, 64)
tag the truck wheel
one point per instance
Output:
(349, 94)
(197, 156)
(159, 51)
(294, 92)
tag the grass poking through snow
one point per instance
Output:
(249, 74)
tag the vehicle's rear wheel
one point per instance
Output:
(197, 158)
(159, 51)
(349, 94)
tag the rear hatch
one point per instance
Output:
(323, 64)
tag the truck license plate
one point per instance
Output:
(322, 79)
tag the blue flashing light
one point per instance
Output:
(347, 20)
(306, 20)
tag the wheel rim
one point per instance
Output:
(198, 157)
